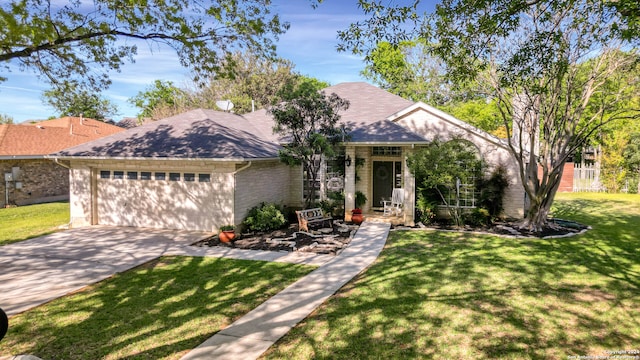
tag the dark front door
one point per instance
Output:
(382, 182)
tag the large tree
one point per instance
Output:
(545, 61)
(80, 103)
(251, 83)
(308, 126)
(161, 99)
(410, 70)
(82, 41)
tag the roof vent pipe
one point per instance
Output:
(81, 119)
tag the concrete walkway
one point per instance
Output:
(254, 333)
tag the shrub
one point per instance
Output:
(428, 210)
(227, 227)
(361, 198)
(264, 217)
(334, 204)
(492, 192)
(477, 217)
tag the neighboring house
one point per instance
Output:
(203, 169)
(27, 176)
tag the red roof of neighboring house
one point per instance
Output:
(50, 136)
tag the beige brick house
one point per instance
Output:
(204, 168)
(27, 176)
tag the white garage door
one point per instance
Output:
(163, 199)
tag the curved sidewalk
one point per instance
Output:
(254, 333)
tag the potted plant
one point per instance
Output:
(356, 214)
(227, 233)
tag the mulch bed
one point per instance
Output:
(320, 241)
(333, 240)
(555, 228)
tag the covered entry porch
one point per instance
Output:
(375, 171)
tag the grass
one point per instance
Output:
(159, 310)
(25, 222)
(438, 295)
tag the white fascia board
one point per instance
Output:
(22, 157)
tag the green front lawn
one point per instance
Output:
(459, 296)
(160, 310)
(25, 222)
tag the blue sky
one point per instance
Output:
(310, 43)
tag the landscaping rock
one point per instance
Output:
(330, 240)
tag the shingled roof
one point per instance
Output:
(367, 104)
(385, 132)
(204, 134)
(50, 136)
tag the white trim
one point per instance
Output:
(22, 157)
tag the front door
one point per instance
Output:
(383, 177)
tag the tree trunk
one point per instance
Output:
(540, 203)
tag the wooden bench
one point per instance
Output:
(310, 216)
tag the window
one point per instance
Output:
(386, 151)
(118, 174)
(161, 176)
(132, 175)
(397, 174)
(105, 174)
(204, 178)
(465, 190)
(174, 176)
(189, 177)
(145, 175)
(315, 184)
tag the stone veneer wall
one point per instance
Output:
(42, 181)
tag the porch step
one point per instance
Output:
(387, 219)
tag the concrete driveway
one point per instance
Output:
(38, 270)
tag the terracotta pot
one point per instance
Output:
(227, 236)
(356, 217)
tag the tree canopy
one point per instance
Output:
(80, 103)
(249, 81)
(161, 99)
(308, 125)
(82, 41)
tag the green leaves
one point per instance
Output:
(308, 126)
(440, 167)
(66, 43)
(69, 101)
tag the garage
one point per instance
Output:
(162, 199)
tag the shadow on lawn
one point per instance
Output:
(153, 312)
(448, 295)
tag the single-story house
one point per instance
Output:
(203, 169)
(28, 177)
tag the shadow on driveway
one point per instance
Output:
(41, 269)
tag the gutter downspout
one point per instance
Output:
(242, 168)
(55, 160)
